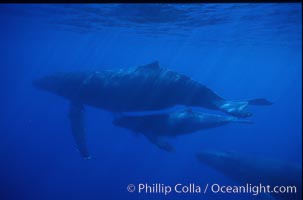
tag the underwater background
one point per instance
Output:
(241, 51)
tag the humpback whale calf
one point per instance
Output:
(157, 126)
(147, 87)
(255, 170)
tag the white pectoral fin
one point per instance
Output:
(76, 113)
(158, 141)
(235, 108)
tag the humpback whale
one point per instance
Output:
(255, 170)
(143, 88)
(157, 126)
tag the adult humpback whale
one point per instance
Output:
(253, 170)
(157, 126)
(147, 87)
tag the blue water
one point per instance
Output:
(241, 51)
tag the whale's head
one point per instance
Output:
(63, 84)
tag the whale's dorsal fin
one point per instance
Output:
(153, 65)
(77, 125)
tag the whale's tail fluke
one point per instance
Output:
(260, 102)
(238, 108)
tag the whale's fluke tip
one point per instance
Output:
(260, 102)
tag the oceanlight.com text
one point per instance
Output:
(193, 188)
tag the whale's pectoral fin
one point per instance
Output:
(235, 108)
(160, 143)
(76, 113)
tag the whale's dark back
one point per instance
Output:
(147, 87)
